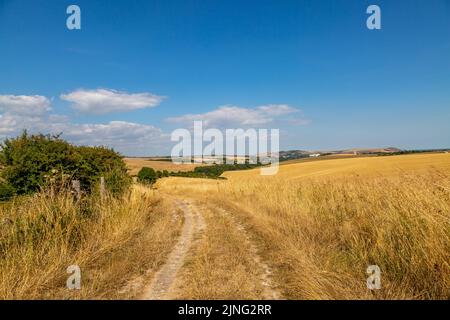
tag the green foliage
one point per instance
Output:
(213, 171)
(31, 162)
(117, 181)
(95, 162)
(147, 175)
(7, 191)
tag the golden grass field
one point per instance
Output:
(309, 232)
(320, 224)
(136, 164)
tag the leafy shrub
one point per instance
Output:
(117, 181)
(31, 162)
(6, 191)
(28, 161)
(214, 171)
(147, 175)
(95, 162)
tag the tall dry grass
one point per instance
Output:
(320, 234)
(111, 239)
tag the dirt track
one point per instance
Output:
(161, 286)
(164, 284)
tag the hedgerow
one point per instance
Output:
(32, 162)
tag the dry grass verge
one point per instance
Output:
(112, 241)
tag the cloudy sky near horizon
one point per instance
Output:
(138, 70)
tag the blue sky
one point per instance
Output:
(139, 69)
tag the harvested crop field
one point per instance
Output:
(136, 164)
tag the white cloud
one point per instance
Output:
(7, 125)
(24, 105)
(225, 116)
(127, 137)
(31, 113)
(113, 133)
(233, 116)
(103, 101)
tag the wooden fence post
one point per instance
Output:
(102, 187)
(77, 187)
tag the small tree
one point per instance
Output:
(147, 175)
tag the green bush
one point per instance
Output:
(6, 191)
(95, 162)
(214, 171)
(31, 162)
(147, 175)
(117, 181)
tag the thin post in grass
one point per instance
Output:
(102, 187)
(77, 188)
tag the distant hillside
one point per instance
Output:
(298, 154)
(294, 154)
(390, 151)
(369, 151)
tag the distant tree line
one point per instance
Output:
(412, 151)
(149, 175)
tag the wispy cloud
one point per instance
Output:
(277, 109)
(101, 101)
(232, 116)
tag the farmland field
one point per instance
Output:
(366, 166)
(318, 225)
(308, 232)
(136, 164)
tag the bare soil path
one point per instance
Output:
(167, 280)
(161, 286)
